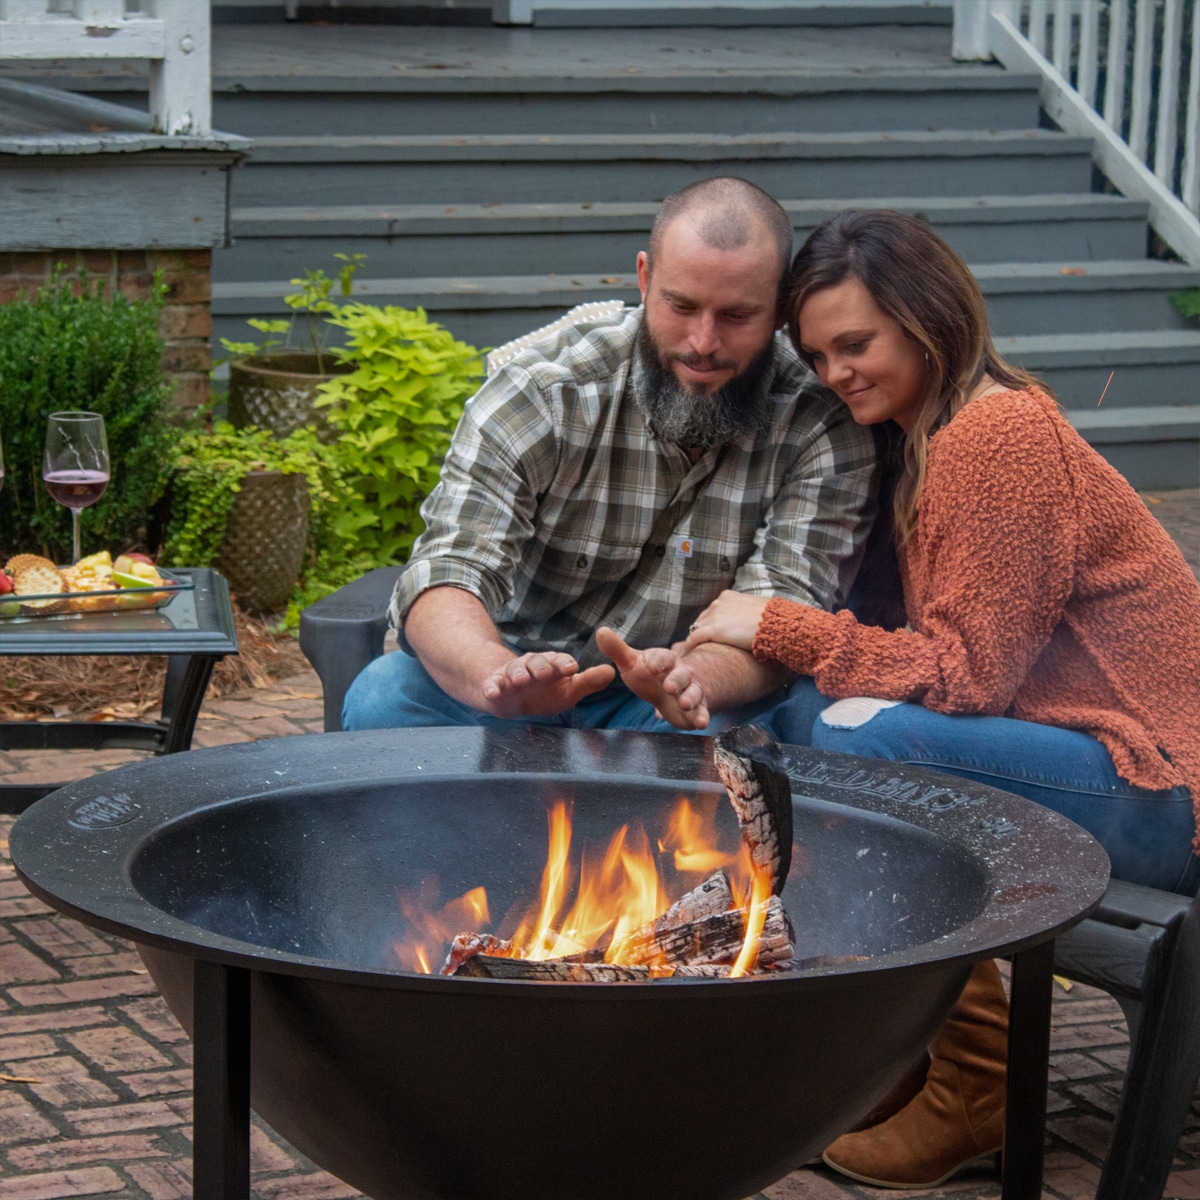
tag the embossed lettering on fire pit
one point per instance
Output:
(102, 812)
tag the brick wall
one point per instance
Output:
(186, 325)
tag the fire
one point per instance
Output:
(612, 899)
(760, 896)
(423, 951)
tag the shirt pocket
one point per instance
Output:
(573, 565)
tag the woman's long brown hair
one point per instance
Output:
(914, 277)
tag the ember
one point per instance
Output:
(622, 925)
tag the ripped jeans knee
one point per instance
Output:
(854, 711)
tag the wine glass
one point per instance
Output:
(75, 468)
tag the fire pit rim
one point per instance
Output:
(105, 897)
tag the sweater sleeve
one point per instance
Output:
(990, 567)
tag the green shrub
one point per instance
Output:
(73, 347)
(394, 414)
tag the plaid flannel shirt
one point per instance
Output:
(560, 510)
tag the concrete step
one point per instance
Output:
(971, 98)
(558, 168)
(279, 243)
(1023, 298)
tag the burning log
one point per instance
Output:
(714, 940)
(485, 966)
(751, 769)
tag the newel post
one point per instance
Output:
(180, 83)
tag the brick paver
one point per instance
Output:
(95, 1072)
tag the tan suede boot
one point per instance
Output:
(958, 1117)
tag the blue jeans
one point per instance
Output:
(396, 692)
(1148, 835)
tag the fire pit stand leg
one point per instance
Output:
(1028, 1073)
(221, 1039)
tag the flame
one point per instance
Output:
(613, 899)
(760, 896)
(693, 837)
(433, 930)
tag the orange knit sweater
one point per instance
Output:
(1038, 586)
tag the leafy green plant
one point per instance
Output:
(207, 473)
(312, 302)
(75, 347)
(394, 413)
(1188, 303)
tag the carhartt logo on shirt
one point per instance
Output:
(683, 547)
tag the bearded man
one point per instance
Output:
(610, 480)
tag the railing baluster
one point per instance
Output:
(1037, 24)
(1189, 184)
(1114, 87)
(1089, 38)
(1062, 36)
(1143, 78)
(1167, 125)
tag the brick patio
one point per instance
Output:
(94, 1071)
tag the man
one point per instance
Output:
(609, 481)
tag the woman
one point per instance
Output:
(1053, 647)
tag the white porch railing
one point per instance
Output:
(1084, 51)
(174, 35)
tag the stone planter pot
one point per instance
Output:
(265, 539)
(277, 392)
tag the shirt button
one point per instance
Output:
(581, 562)
(619, 620)
(725, 564)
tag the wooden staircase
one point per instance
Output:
(495, 177)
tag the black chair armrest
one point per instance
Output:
(343, 632)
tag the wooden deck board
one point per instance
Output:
(243, 53)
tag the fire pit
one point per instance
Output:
(273, 867)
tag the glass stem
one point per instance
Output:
(75, 553)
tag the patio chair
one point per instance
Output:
(1143, 947)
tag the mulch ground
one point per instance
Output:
(95, 1072)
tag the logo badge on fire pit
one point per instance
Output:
(102, 812)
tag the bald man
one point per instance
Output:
(609, 481)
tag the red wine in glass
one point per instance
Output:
(76, 489)
(75, 467)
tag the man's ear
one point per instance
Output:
(643, 273)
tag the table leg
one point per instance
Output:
(1028, 1073)
(221, 1077)
(183, 693)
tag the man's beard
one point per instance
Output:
(696, 419)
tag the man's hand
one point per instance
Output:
(541, 685)
(659, 677)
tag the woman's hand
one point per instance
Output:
(731, 618)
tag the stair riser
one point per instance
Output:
(640, 179)
(401, 256)
(1014, 314)
(1153, 465)
(1131, 386)
(285, 114)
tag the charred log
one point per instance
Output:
(751, 768)
(484, 966)
(467, 945)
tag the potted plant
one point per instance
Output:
(241, 501)
(273, 383)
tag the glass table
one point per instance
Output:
(195, 630)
